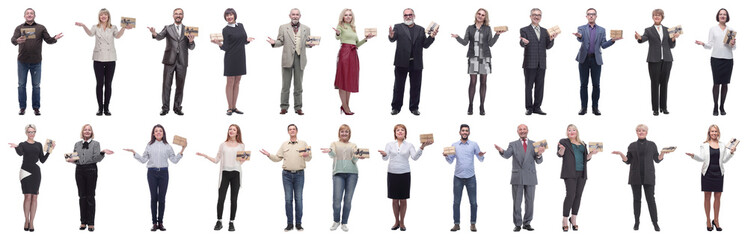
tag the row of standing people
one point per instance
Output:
(641, 156)
(408, 59)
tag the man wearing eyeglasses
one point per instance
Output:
(535, 40)
(411, 40)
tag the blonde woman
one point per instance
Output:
(574, 156)
(31, 175)
(86, 174)
(346, 76)
(104, 57)
(344, 175)
(714, 154)
(230, 174)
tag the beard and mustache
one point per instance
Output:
(408, 22)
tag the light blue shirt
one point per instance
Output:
(157, 154)
(464, 153)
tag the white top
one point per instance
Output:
(104, 49)
(227, 157)
(704, 156)
(659, 32)
(398, 156)
(719, 48)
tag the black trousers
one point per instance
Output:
(534, 77)
(85, 178)
(649, 192)
(232, 178)
(104, 72)
(574, 189)
(399, 90)
(169, 71)
(659, 75)
(158, 182)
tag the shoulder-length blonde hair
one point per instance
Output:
(708, 136)
(341, 22)
(108, 18)
(575, 128)
(238, 133)
(345, 127)
(485, 20)
(84, 127)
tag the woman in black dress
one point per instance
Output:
(234, 61)
(714, 154)
(30, 175)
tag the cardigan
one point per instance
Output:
(703, 156)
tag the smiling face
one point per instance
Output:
(714, 133)
(230, 18)
(348, 16)
(722, 16)
(87, 132)
(657, 18)
(30, 133)
(400, 133)
(232, 132)
(522, 131)
(480, 16)
(535, 17)
(29, 15)
(591, 16)
(292, 131)
(295, 15)
(158, 133)
(464, 133)
(344, 135)
(571, 132)
(641, 132)
(103, 17)
(408, 16)
(178, 15)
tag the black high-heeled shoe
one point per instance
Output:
(573, 227)
(719, 229)
(709, 228)
(26, 227)
(470, 109)
(482, 111)
(237, 111)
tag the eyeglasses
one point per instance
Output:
(536, 15)
(591, 14)
(408, 15)
(31, 132)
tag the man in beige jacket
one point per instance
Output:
(293, 38)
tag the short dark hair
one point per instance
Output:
(292, 125)
(593, 9)
(727, 13)
(229, 11)
(464, 126)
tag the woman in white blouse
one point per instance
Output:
(398, 172)
(104, 57)
(230, 174)
(722, 46)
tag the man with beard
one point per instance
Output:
(411, 40)
(175, 60)
(293, 38)
(464, 175)
(524, 178)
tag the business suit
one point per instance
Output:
(591, 62)
(293, 61)
(175, 61)
(408, 61)
(573, 178)
(660, 61)
(524, 178)
(641, 157)
(534, 64)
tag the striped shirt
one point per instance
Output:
(156, 155)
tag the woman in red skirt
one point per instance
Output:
(346, 77)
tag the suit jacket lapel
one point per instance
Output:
(291, 35)
(535, 38)
(406, 30)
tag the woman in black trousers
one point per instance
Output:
(659, 59)
(574, 156)
(86, 173)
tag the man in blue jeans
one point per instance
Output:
(590, 58)
(294, 153)
(464, 175)
(28, 36)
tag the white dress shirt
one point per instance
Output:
(719, 48)
(399, 156)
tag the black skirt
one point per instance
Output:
(398, 185)
(721, 70)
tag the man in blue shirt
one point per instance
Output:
(464, 175)
(592, 37)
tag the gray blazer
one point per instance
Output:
(90, 155)
(286, 39)
(657, 46)
(489, 39)
(176, 45)
(523, 162)
(600, 42)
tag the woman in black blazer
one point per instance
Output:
(480, 39)
(574, 157)
(659, 59)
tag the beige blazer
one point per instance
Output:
(286, 39)
(104, 48)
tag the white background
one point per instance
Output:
(68, 102)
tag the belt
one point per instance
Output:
(158, 169)
(591, 55)
(293, 171)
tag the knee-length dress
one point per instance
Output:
(31, 175)
(234, 60)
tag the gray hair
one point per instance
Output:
(414, 12)
(536, 9)
(643, 127)
(292, 9)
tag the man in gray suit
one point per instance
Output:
(590, 58)
(524, 178)
(293, 38)
(175, 60)
(535, 40)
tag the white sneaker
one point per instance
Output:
(335, 226)
(344, 227)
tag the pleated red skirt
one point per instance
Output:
(346, 77)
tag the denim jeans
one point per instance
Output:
(158, 182)
(36, 78)
(471, 186)
(343, 182)
(585, 69)
(293, 186)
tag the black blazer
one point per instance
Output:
(535, 50)
(656, 46)
(650, 157)
(406, 44)
(174, 45)
(488, 40)
(569, 162)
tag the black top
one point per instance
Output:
(714, 169)
(31, 154)
(410, 45)
(568, 161)
(235, 60)
(641, 156)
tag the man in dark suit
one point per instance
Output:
(175, 60)
(411, 40)
(535, 40)
(659, 58)
(590, 58)
(524, 179)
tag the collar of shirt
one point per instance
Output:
(466, 142)
(231, 25)
(27, 24)
(88, 141)
(293, 142)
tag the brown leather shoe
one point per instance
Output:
(455, 228)
(472, 228)
(298, 111)
(283, 111)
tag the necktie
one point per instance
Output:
(537, 31)
(524, 145)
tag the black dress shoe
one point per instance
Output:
(583, 111)
(164, 112)
(107, 113)
(22, 112)
(657, 227)
(470, 109)
(636, 226)
(219, 226)
(664, 111)
(91, 228)
(229, 112)
(237, 111)
(394, 112)
(528, 112)
(81, 228)
(396, 227)
(516, 228)
(289, 227)
(722, 111)
(402, 229)
(528, 227)
(415, 112)
(231, 227)
(37, 113)
(100, 112)
(161, 227)
(715, 112)
(154, 228)
(482, 111)
(538, 111)
(179, 112)
(596, 112)
(656, 113)
(298, 227)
